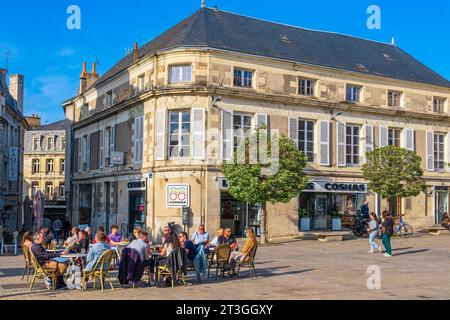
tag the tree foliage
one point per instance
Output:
(394, 172)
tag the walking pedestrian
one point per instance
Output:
(388, 232)
(373, 232)
(57, 227)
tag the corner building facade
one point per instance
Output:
(167, 106)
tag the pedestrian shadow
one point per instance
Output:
(412, 252)
(400, 249)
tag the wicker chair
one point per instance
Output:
(165, 271)
(41, 273)
(220, 260)
(248, 261)
(28, 262)
(100, 270)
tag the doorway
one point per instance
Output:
(441, 205)
(320, 213)
(136, 210)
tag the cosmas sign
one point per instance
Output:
(177, 195)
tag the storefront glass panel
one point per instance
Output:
(238, 215)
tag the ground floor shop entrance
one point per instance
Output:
(440, 203)
(136, 205)
(323, 200)
(238, 215)
(85, 204)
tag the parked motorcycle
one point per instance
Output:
(360, 226)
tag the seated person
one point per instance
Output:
(228, 239)
(133, 236)
(70, 241)
(446, 221)
(96, 251)
(200, 236)
(141, 246)
(115, 237)
(188, 245)
(48, 236)
(215, 241)
(89, 232)
(168, 247)
(248, 247)
(166, 233)
(100, 229)
(27, 240)
(83, 242)
(46, 261)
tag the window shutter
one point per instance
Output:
(262, 120)
(293, 130)
(369, 138)
(324, 154)
(102, 149)
(430, 150)
(409, 139)
(341, 147)
(141, 139)
(88, 152)
(227, 134)
(160, 134)
(198, 134)
(383, 137)
(138, 133)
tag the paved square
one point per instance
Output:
(294, 270)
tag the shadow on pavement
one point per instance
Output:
(412, 252)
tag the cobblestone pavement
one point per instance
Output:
(293, 270)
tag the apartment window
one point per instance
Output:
(242, 124)
(438, 104)
(439, 150)
(62, 166)
(179, 134)
(179, 74)
(36, 144)
(110, 131)
(306, 87)
(63, 143)
(243, 78)
(49, 165)
(138, 139)
(394, 137)
(353, 93)
(109, 98)
(62, 190)
(50, 143)
(36, 166)
(34, 188)
(352, 144)
(394, 98)
(306, 138)
(141, 83)
(49, 190)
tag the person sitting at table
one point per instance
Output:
(83, 242)
(48, 236)
(191, 252)
(96, 250)
(251, 243)
(44, 259)
(27, 240)
(166, 234)
(141, 246)
(170, 245)
(228, 239)
(200, 236)
(215, 241)
(446, 221)
(90, 236)
(101, 229)
(73, 238)
(115, 237)
(133, 236)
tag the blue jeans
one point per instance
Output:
(373, 244)
(200, 261)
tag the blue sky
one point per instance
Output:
(50, 56)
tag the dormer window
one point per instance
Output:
(180, 74)
(141, 83)
(36, 144)
(109, 96)
(50, 143)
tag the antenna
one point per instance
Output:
(127, 51)
(98, 64)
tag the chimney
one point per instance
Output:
(94, 69)
(86, 78)
(16, 89)
(135, 52)
(3, 73)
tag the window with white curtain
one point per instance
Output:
(180, 73)
(179, 134)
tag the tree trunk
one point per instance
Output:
(262, 221)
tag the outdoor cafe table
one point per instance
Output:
(72, 266)
(73, 257)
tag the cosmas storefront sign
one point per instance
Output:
(326, 186)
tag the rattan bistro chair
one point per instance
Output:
(220, 260)
(41, 273)
(100, 270)
(28, 262)
(165, 270)
(248, 261)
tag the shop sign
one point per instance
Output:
(336, 187)
(136, 185)
(440, 188)
(117, 157)
(178, 195)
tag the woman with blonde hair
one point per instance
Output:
(250, 244)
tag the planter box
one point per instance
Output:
(337, 224)
(305, 224)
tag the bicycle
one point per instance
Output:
(403, 229)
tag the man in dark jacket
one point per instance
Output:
(45, 260)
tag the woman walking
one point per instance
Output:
(373, 232)
(388, 231)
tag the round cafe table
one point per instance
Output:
(72, 266)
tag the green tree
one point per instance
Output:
(394, 172)
(277, 181)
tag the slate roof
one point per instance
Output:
(209, 28)
(55, 126)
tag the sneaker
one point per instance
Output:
(371, 251)
(48, 283)
(387, 255)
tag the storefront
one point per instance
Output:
(440, 203)
(136, 205)
(85, 204)
(321, 200)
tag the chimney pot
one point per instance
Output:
(135, 52)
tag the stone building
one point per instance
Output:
(12, 126)
(44, 165)
(154, 128)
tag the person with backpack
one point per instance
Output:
(388, 231)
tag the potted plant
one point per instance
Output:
(337, 221)
(305, 221)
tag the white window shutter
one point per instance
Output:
(430, 150)
(102, 149)
(80, 154)
(324, 153)
(138, 141)
(112, 146)
(262, 120)
(198, 134)
(341, 147)
(409, 139)
(227, 134)
(293, 130)
(369, 138)
(384, 137)
(141, 138)
(88, 152)
(160, 135)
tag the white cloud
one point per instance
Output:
(65, 52)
